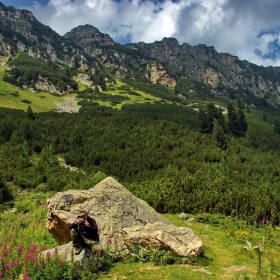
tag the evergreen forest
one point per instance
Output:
(178, 159)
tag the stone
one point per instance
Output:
(180, 240)
(183, 216)
(119, 215)
(66, 253)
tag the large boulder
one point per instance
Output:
(123, 220)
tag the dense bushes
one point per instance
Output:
(27, 70)
(156, 151)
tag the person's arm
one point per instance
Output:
(90, 222)
(75, 224)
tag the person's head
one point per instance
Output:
(83, 215)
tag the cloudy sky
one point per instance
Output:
(249, 29)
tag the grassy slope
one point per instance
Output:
(43, 101)
(143, 98)
(226, 259)
(40, 101)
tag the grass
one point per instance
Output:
(224, 256)
(13, 97)
(114, 89)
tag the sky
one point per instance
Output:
(249, 29)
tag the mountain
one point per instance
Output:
(186, 71)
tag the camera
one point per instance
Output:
(81, 220)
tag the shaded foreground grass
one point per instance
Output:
(23, 236)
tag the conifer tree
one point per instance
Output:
(243, 125)
(219, 135)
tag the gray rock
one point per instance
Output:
(180, 240)
(118, 213)
(183, 216)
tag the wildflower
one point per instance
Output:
(27, 256)
(32, 248)
(5, 251)
(19, 248)
(27, 277)
(7, 265)
(1, 273)
(60, 261)
(16, 263)
(34, 258)
(42, 248)
(55, 250)
(109, 241)
(49, 254)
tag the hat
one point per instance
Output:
(79, 211)
(83, 212)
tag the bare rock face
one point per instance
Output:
(123, 220)
(180, 240)
(158, 74)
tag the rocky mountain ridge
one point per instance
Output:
(163, 62)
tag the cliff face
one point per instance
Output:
(220, 70)
(164, 62)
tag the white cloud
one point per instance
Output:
(231, 26)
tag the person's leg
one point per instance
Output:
(93, 246)
(78, 241)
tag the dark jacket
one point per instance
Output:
(88, 232)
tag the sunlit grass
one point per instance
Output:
(12, 96)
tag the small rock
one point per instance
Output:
(183, 216)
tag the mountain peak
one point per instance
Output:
(88, 34)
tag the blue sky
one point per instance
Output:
(249, 29)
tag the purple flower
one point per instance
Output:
(5, 251)
(55, 250)
(109, 241)
(19, 248)
(42, 248)
(7, 265)
(34, 258)
(49, 254)
(27, 277)
(16, 263)
(1, 273)
(27, 256)
(32, 248)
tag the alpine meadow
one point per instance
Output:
(184, 128)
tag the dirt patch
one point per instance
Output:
(69, 105)
(235, 268)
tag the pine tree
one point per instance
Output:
(219, 135)
(277, 126)
(30, 113)
(205, 122)
(233, 122)
(243, 125)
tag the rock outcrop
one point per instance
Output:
(158, 74)
(123, 220)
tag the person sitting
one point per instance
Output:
(84, 233)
